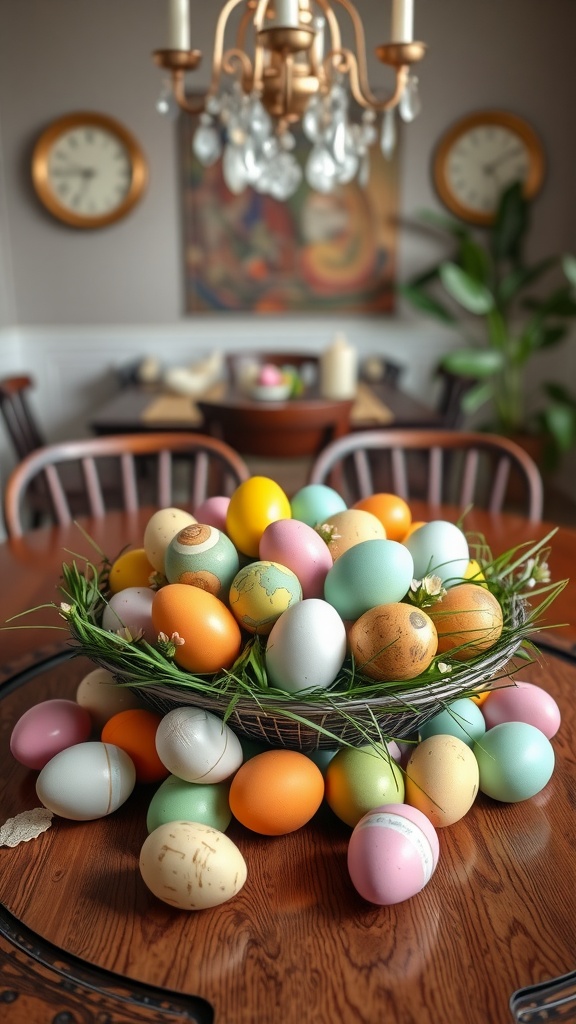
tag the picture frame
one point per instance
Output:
(315, 253)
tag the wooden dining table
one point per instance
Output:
(139, 408)
(83, 941)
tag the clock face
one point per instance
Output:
(88, 170)
(480, 157)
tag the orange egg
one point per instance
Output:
(276, 792)
(132, 569)
(480, 697)
(468, 619)
(211, 635)
(392, 511)
(134, 731)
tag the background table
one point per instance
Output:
(82, 939)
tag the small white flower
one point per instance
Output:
(65, 608)
(178, 640)
(443, 667)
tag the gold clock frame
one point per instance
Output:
(41, 180)
(500, 118)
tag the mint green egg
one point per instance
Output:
(176, 800)
(515, 761)
(462, 718)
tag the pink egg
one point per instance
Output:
(131, 609)
(212, 512)
(297, 546)
(46, 729)
(392, 854)
(523, 702)
(270, 375)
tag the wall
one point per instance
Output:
(74, 305)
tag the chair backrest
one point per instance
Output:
(21, 424)
(440, 466)
(153, 469)
(282, 430)
(453, 388)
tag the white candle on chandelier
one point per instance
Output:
(402, 21)
(287, 13)
(179, 25)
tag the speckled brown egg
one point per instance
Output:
(350, 527)
(469, 621)
(393, 641)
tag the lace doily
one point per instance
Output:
(25, 826)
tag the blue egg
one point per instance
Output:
(439, 548)
(313, 503)
(462, 718)
(202, 556)
(373, 572)
(515, 761)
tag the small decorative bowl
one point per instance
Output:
(270, 392)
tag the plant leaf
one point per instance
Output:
(471, 294)
(510, 224)
(424, 302)
(521, 277)
(569, 267)
(474, 260)
(476, 363)
(477, 397)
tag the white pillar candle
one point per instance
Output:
(287, 13)
(338, 370)
(179, 25)
(402, 21)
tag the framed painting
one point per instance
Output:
(315, 253)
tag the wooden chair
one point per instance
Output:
(21, 425)
(462, 468)
(210, 467)
(453, 388)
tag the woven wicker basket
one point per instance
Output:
(335, 719)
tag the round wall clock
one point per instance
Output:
(480, 156)
(88, 170)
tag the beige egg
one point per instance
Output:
(442, 779)
(191, 865)
(393, 641)
(468, 617)
(103, 697)
(159, 531)
(349, 527)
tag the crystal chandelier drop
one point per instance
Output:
(288, 67)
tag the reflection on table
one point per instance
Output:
(297, 943)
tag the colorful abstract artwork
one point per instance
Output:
(315, 253)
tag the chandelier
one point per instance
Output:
(288, 67)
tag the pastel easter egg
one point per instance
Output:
(202, 556)
(439, 548)
(442, 779)
(461, 718)
(522, 702)
(313, 503)
(47, 728)
(392, 854)
(213, 511)
(130, 609)
(260, 593)
(515, 760)
(191, 866)
(306, 646)
(162, 526)
(371, 573)
(86, 781)
(100, 694)
(197, 746)
(177, 800)
(300, 548)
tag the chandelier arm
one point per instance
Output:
(219, 35)
(181, 96)
(359, 86)
(236, 56)
(332, 22)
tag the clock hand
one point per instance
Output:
(491, 167)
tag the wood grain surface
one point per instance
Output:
(297, 944)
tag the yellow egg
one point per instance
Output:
(442, 779)
(132, 569)
(469, 621)
(393, 641)
(350, 527)
(255, 504)
(474, 572)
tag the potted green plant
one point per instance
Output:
(506, 317)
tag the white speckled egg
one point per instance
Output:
(191, 866)
(159, 531)
(204, 557)
(130, 609)
(86, 781)
(306, 647)
(439, 548)
(442, 779)
(197, 746)
(368, 574)
(300, 548)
